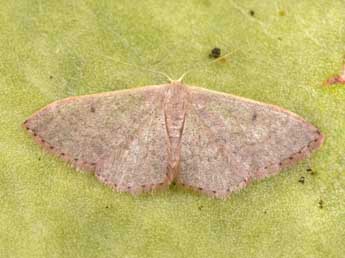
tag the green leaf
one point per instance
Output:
(283, 51)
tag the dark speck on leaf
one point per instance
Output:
(106, 207)
(321, 204)
(200, 207)
(301, 179)
(251, 12)
(312, 172)
(215, 53)
(51, 77)
(279, 38)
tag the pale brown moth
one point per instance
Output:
(143, 139)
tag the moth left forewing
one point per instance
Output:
(141, 164)
(82, 130)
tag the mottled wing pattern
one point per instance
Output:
(258, 141)
(141, 163)
(207, 163)
(89, 131)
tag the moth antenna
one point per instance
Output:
(143, 69)
(208, 63)
(183, 75)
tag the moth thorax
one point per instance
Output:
(174, 114)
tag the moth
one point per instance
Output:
(143, 139)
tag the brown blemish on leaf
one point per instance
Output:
(222, 60)
(252, 13)
(337, 79)
(135, 142)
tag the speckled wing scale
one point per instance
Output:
(229, 141)
(118, 135)
(143, 139)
